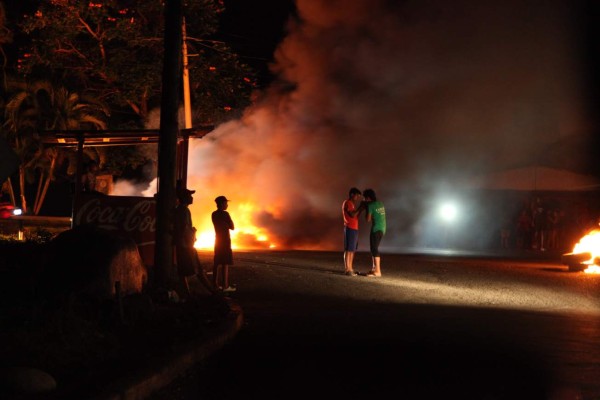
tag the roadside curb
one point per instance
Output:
(161, 373)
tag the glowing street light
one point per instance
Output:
(448, 212)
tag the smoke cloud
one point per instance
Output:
(409, 98)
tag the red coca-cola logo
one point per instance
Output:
(132, 216)
(127, 214)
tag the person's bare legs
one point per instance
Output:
(216, 275)
(348, 261)
(225, 276)
(376, 267)
(226, 287)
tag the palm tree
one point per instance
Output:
(40, 107)
(6, 37)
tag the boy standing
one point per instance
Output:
(223, 256)
(350, 213)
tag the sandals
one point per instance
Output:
(370, 274)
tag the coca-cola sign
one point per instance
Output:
(129, 215)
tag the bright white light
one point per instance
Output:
(448, 212)
(17, 211)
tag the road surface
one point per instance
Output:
(432, 327)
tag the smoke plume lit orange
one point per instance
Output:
(379, 94)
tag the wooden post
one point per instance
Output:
(78, 173)
(166, 276)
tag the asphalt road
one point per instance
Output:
(433, 327)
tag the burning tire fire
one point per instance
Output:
(586, 254)
(576, 261)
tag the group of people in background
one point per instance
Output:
(352, 207)
(188, 263)
(539, 226)
(536, 228)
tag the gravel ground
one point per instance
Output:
(527, 283)
(437, 325)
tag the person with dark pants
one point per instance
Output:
(188, 263)
(376, 216)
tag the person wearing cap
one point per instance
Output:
(188, 264)
(223, 256)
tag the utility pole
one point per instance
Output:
(183, 144)
(187, 102)
(167, 146)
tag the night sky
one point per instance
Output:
(407, 98)
(254, 29)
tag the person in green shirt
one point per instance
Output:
(376, 216)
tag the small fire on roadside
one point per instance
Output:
(590, 243)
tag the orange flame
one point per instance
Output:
(245, 236)
(590, 243)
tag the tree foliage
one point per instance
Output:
(74, 55)
(6, 37)
(113, 49)
(40, 106)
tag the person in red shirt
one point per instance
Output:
(350, 213)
